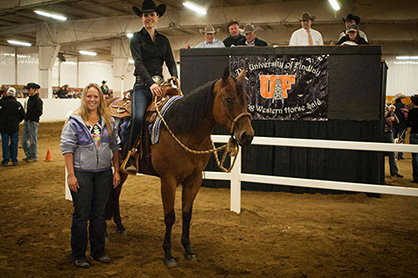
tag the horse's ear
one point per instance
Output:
(225, 76)
(241, 76)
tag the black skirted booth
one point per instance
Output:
(353, 92)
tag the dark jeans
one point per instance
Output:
(141, 98)
(402, 134)
(413, 139)
(12, 150)
(393, 166)
(89, 205)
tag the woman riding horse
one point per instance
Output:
(150, 50)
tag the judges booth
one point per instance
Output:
(351, 93)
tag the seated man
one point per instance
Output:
(352, 19)
(235, 38)
(306, 35)
(251, 39)
(352, 37)
(210, 41)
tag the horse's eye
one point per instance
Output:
(228, 100)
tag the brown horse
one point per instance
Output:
(192, 119)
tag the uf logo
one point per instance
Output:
(276, 86)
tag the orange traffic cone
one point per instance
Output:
(48, 156)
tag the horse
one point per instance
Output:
(180, 155)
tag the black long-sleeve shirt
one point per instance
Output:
(149, 56)
(34, 108)
(11, 114)
(412, 120)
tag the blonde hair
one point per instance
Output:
(84, 112)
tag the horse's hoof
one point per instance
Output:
(121, 232)
(170, 263)
(190, 257)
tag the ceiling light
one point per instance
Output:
(54, 16)
(194, 7)
(334, 5)
(130, 35)
(407, 57)
(88, 53)
(19, 43)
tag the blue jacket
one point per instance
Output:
(77, 139)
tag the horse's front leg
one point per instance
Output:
(190, 188)
(168, 194)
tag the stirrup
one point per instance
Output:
(131, 169)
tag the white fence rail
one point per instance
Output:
(236, 177)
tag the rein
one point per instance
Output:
(231, 147)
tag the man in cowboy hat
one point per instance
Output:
(399, 129)
(34, 110)
(235, 38)
(210, 41)
(306, 35)
(150, 50)
(350, 20)
(250, 38)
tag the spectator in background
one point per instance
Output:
(63, 91)
(350, 20)
(209, 33)
(390, 118)
(235, 38)
(105, 89)
(250, 36)
(402, 114)
(352, 37)
(30, 125)
(11, 114)
(412, 122)
(306, 35)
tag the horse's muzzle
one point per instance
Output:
(245, 138)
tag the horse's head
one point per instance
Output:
(230, 107)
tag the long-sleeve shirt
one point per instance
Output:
(412, 120)
(149, 56)
(34, 108)
(300, 37)
(214, 43)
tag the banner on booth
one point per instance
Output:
(285, 87)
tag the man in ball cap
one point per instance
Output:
(34, 110)
(350, 20)
(306, 35)
(210, 41)
(150, 50)
(11, 114)
(250, 36)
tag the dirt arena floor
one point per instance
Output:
(276, 235)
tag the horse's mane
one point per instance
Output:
(186, 114)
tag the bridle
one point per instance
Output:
(230, 148)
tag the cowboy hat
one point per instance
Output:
(398, 96)
(352, 17)
(32, 85)
(250, 28)
(149, 6)
(307, 16)
(209, 29)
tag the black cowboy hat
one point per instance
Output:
(352, 17)
(149, 6)
(32, 85)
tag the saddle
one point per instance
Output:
(142, 145)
